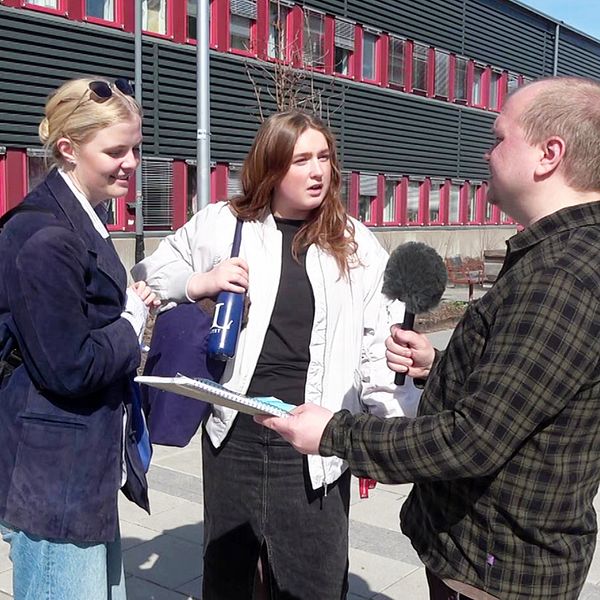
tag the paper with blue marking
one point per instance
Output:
(215, 393)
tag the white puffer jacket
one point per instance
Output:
(352, 318)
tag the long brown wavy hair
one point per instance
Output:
(267, 163)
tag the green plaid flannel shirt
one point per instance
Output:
(505, 451)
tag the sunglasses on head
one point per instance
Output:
(100, 90)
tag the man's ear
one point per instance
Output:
(67, 150)
(553, 152)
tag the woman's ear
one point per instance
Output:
(67, 150)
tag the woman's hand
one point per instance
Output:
(409, 352)
(145, 293)
(230, 275)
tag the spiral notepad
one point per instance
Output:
(215, 393)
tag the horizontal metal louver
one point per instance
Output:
(157, 190)
(344, 34)
(243, 8)
(368, 185)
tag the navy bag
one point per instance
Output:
(179, 343)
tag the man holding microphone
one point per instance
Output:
(505, 451)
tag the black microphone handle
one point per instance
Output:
(407, 324)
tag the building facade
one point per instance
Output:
(410, 87)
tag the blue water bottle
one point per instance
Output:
(226, 325)
(227, 318)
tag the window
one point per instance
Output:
(435, 196)
(313, 43)
(442, 70)
(396, 62)
(191, 200)
(242, 23)
(36, 167)
(496, 90)
(472, 202)
(369, 62)
(389, 201)
(234, 184)
(278, 43)
(412, 202)
(420, 67)
(489, 212)
(344, 47)
(154, 16)
(513, 82)
(192, 18)
(477, 91)
(345, 188)
(367, 198)
(3, 181)
(157, 189)
(53, 4)
(454, 203)
(100, 9)
(460, 79)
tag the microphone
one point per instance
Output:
(416, 275)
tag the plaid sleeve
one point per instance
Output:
(541, 347)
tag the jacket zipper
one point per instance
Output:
(325, 362)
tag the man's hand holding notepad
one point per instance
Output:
(215, 393)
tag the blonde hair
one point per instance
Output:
(267, 163)
(72, 112)
(568, 107)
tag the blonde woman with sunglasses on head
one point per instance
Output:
(66, 413)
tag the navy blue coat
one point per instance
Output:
(62, 290)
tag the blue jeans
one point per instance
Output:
(58, 570)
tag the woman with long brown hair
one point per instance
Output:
(316, 326)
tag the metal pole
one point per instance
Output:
(139, 213)
(202, 105)
(556, 49)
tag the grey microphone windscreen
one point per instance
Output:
(416, 275)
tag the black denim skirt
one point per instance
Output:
(258, 500)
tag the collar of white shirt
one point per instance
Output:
(85, 203)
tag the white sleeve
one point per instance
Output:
(380, 395)
(136, 312)
(168, 269)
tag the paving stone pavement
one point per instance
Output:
(163, 551)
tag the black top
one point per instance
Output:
(283, 361)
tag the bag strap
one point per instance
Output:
(237, 238)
